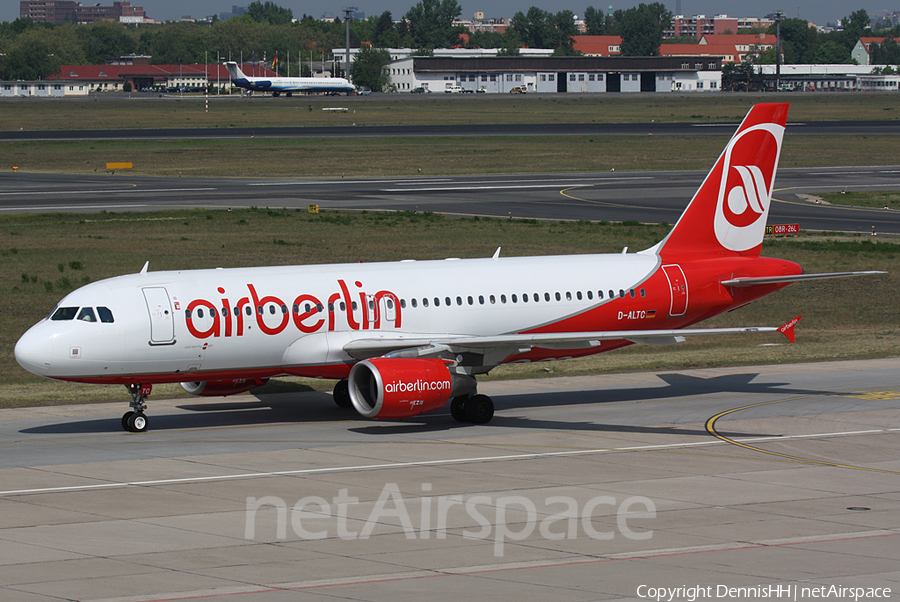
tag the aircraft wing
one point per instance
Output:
(509, 344)
(750, 281)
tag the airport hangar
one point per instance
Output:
(551, 74)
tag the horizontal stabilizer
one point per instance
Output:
(749, 281)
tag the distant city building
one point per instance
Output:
(698, 26)
(68, 11)
(236, 11)
(862, 51)
(729, 48)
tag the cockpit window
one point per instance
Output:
(64, 313)
(87, 314)
(105, 315)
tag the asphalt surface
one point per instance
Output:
(651, 196)
(856, 128)
(580, 489)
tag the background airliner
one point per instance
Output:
(408, 337)
(286, 85)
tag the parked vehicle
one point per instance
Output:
(518, 90)
(454, 90)
(365, 92)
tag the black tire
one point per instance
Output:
(138, 422)
(125, 417)
(479, 409)
(342, 394)
(458, 408)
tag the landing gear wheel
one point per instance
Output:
(135, 421)
(138, 422)
(458, 408)
(342, 394)
(479, 409)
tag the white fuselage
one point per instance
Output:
(226, 323)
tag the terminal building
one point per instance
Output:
(556, 74)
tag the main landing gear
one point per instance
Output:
(136, 421)
(342, 394)
(477, 409)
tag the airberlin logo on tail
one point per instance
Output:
(745, 189)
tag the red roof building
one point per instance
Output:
(598, 45)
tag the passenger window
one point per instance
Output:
(64, 313)
(537, 297)
(578, 295)
(306, 308)
(199, 312)
(353, 306)
(437, 302)
(559, 297)
(493, 300)
(224, 313)
(459, 300)
(612, 294)
(414, 303)
(631, 292)
(331, 306)
(569, 296)
(87, 314)
(447, 301)
(105, 315)
(425, 302)
(599, 294)
(643, 293)
(621, 294)
(212, 312)
(470, 300)
(514, 298)
(248, 311)
(343, 306)
(502, 298)
(590, 294)
(546, 296)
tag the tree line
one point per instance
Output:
(30, 51)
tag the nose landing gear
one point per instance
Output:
(136, 421)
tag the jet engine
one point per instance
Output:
(401, 387)
(220, 388)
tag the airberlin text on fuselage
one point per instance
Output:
(307, 312)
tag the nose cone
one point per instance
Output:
(34, 352)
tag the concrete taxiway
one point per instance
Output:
(584, 488)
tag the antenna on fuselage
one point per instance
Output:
(144, 269)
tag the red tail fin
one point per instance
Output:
(728, 214)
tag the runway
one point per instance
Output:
(584, 488)
(810, 128)
(651, 197)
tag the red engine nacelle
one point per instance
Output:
(399, 388)
(220, 388)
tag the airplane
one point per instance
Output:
(288, 85)
(404, 338)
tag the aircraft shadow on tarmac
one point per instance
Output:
(318, 407)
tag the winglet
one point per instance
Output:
(788, 329)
